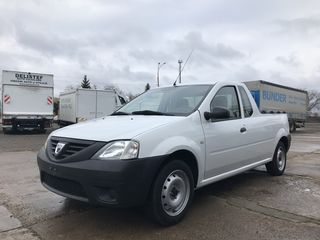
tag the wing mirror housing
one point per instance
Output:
(217, 113)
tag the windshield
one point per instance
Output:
(176, 101)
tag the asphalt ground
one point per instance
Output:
(252, 205)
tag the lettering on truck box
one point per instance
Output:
(274, 96)
(27, 79)
(277, 97)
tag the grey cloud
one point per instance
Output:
(300, 26)
(204, 55)
(207, 54)
(247, 73)
(46, 43)
(285, 79)
(290, 61)
(147, 55)
(122, 41)
(122, 76)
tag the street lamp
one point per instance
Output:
(159, 66)
(180, 62)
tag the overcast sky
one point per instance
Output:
(120, 42)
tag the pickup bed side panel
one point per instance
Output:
(283, 129)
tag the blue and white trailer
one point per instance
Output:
(275, 98)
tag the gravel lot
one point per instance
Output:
(252, 205)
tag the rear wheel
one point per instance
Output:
(278, 164)
(172, 193)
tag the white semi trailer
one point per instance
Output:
(27, 100)
(275, 98)
(84, 104)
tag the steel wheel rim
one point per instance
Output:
(281, 158)
(175, 193)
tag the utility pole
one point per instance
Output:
(180, 62)
(159, 66)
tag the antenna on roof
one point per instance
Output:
(181, 69)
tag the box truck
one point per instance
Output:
(275, 98)
(27, 100)
(84, 104)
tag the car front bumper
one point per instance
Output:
(104, 182)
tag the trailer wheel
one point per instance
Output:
(42, 130)
(292, 126)
(5, 131)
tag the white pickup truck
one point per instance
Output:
(160, 147)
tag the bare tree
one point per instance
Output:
(314, 100)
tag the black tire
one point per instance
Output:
(292, 126)
(278, 164)
(5, 131)
(42, 130)
(174, 185)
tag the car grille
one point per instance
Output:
(63, 185)
(72, 146)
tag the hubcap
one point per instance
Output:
(175, 193)
(281, 158)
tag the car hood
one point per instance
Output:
(114, 127)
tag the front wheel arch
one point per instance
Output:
(187, 157)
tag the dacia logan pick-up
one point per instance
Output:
(160, 147)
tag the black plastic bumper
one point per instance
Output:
(112, 182)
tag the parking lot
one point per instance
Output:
(252, 205)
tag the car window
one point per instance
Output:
(247, 107)
(227, 98)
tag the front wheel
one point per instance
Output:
(278, 164)
(172, 193)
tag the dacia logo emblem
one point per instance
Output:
(59, 148)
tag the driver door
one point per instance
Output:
(225, 137)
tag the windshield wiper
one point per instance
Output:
(150, 112)
(119, 113)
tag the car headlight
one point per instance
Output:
(118, 150)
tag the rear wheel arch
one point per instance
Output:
(184, 155)
(278, 164)
(285, 141)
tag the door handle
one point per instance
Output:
(243, 129)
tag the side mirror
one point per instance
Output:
(217, 113)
